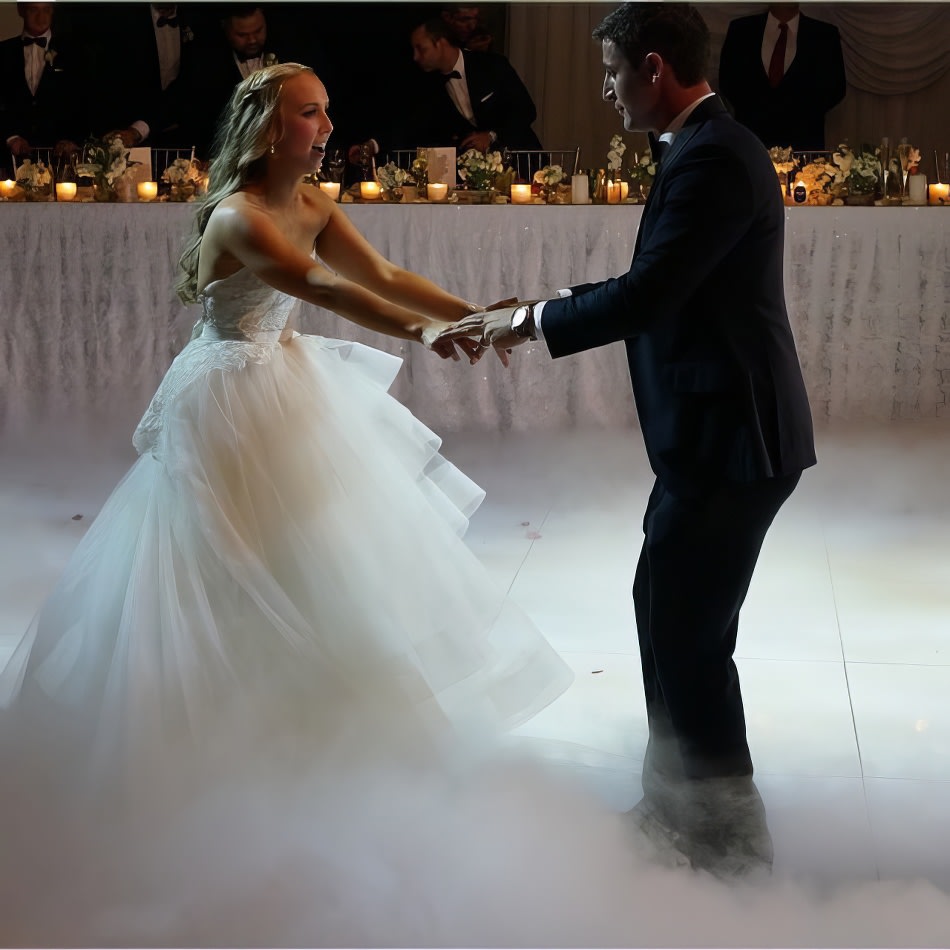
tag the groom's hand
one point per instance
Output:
(491, 328)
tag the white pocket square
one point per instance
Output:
(486, 98)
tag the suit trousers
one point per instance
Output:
(697, 560)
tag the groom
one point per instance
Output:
(723, 412)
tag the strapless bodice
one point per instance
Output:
(243, 307)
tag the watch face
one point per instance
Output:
(519, 317)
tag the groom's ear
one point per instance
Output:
(501, 304)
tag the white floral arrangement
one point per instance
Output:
(269, 59)
(783, 160)
(105, 161)
(549, 176)
(643, 170)
(860, 170)
(392, 176)
(182, 171)
(478, 169)
(33, 175)
(615, 153)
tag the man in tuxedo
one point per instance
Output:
(244, 44)
(723, 412)
(465, 22)
(155, 43)
(41, 100)
(466, 99)
(781, 72)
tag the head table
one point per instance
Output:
(90, 320)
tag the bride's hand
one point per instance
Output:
(446, 348)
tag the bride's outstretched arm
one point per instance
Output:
(344, 249)
(253, 237)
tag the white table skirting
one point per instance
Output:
(89, 318)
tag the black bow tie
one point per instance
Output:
(244, 58)
(39, 40)
(167, 21)
(658, 147)
(455, 74)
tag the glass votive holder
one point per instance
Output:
(437, 191)
(332, 189)
(521, 195)
(65, 190)
(370, 190)
(147, 190)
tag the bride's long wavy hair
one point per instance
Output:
(238, 156)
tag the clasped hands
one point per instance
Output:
(479, 332)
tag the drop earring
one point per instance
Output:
(653, 79)
(272, 150)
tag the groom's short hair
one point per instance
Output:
(674, 30)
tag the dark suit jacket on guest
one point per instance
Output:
(128, 74)
(793, 113)
(500, 102)
(716, 376)
(57, 110)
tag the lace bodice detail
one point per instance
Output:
(243, 321)
(242, 306)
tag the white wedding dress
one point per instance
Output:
(281, 569)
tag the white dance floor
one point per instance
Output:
(844, 649)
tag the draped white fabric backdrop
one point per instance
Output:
(89, 321)
(897, 60)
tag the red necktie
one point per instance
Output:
(777, 63)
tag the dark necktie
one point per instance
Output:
(777, 63)
(40, 41)
(167, 21)
(455, 74)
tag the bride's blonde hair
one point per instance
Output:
(239, 155)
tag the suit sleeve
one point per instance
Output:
(707, 206)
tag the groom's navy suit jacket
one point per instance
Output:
(715, 372)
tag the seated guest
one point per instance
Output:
(244, 45)
(467, 27)
(156, 43)
(41, 89)
(781, 72)
(466, 99)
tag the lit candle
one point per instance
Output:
(65, 190)
(580, 190)
(7, 188)
(437, 191)
(624, 190)
(369, 190)
(147, 190)
(332, 189)
(939, 194)
(613, 192)
(521, 194)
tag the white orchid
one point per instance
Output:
(479, 168)
(615, 153)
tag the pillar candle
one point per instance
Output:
(331, 189)
(613, 192)
(580, 190)
(437, 191)
(65, 190)
(939, 194)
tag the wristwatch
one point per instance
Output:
(522, 321)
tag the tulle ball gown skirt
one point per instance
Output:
(279, 575)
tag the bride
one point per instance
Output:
(280, 572)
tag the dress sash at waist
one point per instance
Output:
(210, 332)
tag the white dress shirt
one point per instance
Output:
(248, 66)
(458, 90)
(770, 38)
(34, 62)
(168, 41)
